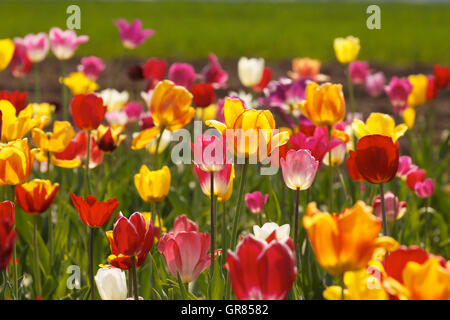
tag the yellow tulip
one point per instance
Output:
(207, 113)
(251, 129)
(78, 83)
(42, 113)
(344, 242)
(15, 127)
(51, 142)
(152, 186)
(409, 117)
(346, 49)
(324, 105)
(171, 109)
(16, 162)
(379, 123)
(418, 95)
(6, 52)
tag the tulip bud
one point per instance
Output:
(111, 284)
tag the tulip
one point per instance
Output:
(375, 84)
(16, 162)
(409, 117)
(20, 64)
(210, 153)
(418, 95)
(379, 123)
(395, 209)
(113, 99)
(265, 79)
(111, 284)
(255, 201)
(359, 70)
(78, 83)
(222, 180)
(271, 231)
(171, 109)
(299, 169)
(186, 253)
(133, 110)
(305, 68)
(432, 88)
(135, 73)
(36, 46)
(65, 43)
(36, 196)
(337, 155)
(88, 111)
(424, 189)
(81, 148)
(154, 70)
(109, 138)
(182, 74)
(6, 52)
(92, 212)
(344, 242)
(442, 75)
(352, 168)
(67, 158)
(54, 142)
(250, 71)
(398, 91)
(42, 113)
(15, 125)
(260, 270)
(398, 259)
(152, 186)
(214, 74)
(324, 104)
(164, 138)
(132, 34)
(183, 223)
(92, 67)
(346, 49)
(405, 166)
(414, 176)
(203, 94)
(17, 98)
(7, 234)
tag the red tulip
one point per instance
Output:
(397, 260)
(18, 99)
(87, 111)
(7, 234)
(415, 176)
(203, 94)
(36, 196)
(260, 270)
(442, 75)
(432, 88)
(154, 70)
(352, 169)
(132, 236)
(96, 155)
(92, 212)
(377, 158)
(186, 253)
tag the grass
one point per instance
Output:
(410, 33)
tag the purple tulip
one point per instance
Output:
(132, 35)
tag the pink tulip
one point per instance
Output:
(65, 43)
(182, 223)
(299, 169)
(20, 64)
(393, 206)
(424, 189)
(134, 110)
(375, 83)
(118, 117)
(221, 180)
(36, 46)
(182, 74)
(398, 91)
(91, 67)
(405, 166)
(358, 71)
(132, 35)
(255, 201)
(214, 74)
(210, 153)
(186, 253)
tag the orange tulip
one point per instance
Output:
(345, 242)
(36, 196)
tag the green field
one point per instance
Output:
(410, 33)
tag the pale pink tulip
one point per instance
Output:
(393, 206)
(65, 43)
(36, 46)
(375, 83)
(210, 153)
(405, 166)
(299, 169)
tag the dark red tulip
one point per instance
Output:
(135, 73)
(87, 111)
(18, 99)
(377, 158)
(203, 94)
(442, 75)
(7, 233)
(265, 79)
(92, 212)
(260, 270)
(352, 169)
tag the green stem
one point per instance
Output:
(37, 86)
(158, 141)
(330, 195)
(383, 209)
(426, 240)
(88, 159)
(134, 274)
(155, 214)
(297, 199)
(213, 230)
(239, 205)
(341, 281)
(36, 256)
(130, 282)
(91, 263)
(350, 92)
(347, 195)
(64, 92)
(50, 224)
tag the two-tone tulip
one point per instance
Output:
(16, 162)
(53, 142)
(109, 138)
(36, 196)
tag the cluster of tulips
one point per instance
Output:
(354, 243)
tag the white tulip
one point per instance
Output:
(250, 71)
(337, 155)
(113, 99)
(111, 284)
(281, 232)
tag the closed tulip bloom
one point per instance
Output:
(16, 162)
(324, 105)
(352, 168)
(394, 207)
(379, 123)
(337, 155)
(255, 201)
(405, 166)
(6, 52)
(253, 130)
(132, 34)
(186, 253)
(92, 212)
(203, 94)
(154, 70)
(377, 158)
(418, 95)
(222, 179)
(109, 138)
(134, 235)
(359, 70)
(414, 176)
(271, 231)
(8, 235)
(344, 242)
(299, 169)
(182, 74)
(346, 49)
(250, 71)
(92, 67)
(152, 186)
(424, 189)
(210, 153)
(260, 270)
(442, 75)
(375, 83)
(65, 43)
(15, 125)
(87, 111)
(398, 91)
(78, 83)
(111, 284)
(36, 196)
(56, 141)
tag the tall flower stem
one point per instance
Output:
(130, 282)
(155, 214)
(383, 210)
(64, 92)
(224, 228)
(350, 92)
(213, 227)
(330, 196)
(297, 199)
(426, 241)
(88, 159)
(50, 224)
(134, 276)
(15, 278)
(36, 256)
(91, 263)
(341, 281)
(239, 205)
(37, 85)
